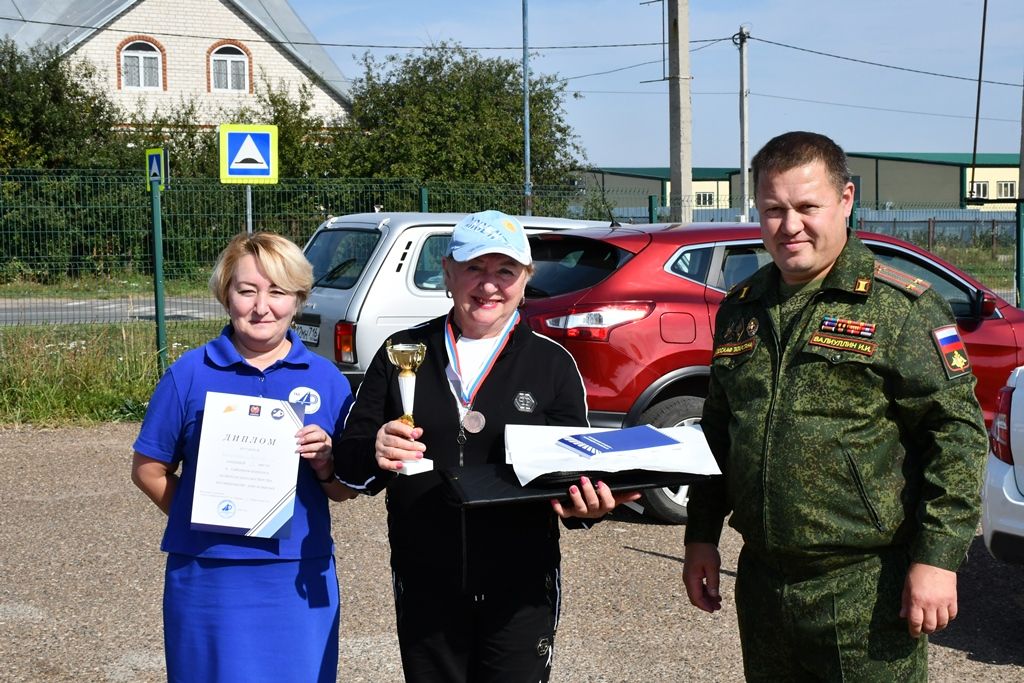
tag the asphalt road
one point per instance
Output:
(64, 310)
(81, 582)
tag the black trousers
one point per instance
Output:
(504, 636)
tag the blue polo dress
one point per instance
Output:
(238, 608)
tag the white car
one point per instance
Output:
(1002, 496)
(379, 273)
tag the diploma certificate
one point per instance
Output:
(247, 466)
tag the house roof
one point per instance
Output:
(663, 172)
(71, 22)
(947, 158)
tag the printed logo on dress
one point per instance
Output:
(307, 397)
(951, 348)
(525, 402)
(735, 349)
(828, 341)
(858, 328)
(254, 411)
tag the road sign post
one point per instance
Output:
(248, 155)
(156, 173)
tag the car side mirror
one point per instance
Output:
(984, 304)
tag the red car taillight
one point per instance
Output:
(592, 323)
(999, 433)
(345, 342)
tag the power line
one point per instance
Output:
(706, 42)
(880, 65)
(799, 99)
(369, 46)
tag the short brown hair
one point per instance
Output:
(797, 148)
(282, 261)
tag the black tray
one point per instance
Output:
(479, 485)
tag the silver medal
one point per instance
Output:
(473, 422)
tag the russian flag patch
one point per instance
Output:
(951, 349)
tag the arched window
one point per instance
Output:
(229, 69)
(140, 66)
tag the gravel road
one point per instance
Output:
(81, 583)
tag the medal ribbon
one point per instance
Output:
(467, 394)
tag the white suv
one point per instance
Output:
(1002, 496)
(378, 273)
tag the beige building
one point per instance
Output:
(156, 54)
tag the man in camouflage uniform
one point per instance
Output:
(841, 411)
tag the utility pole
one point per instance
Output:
(741, 41)
(1020, 210)
(527, 183)
(680, 114)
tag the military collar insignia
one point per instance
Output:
(856, 328)
(862, 286)
(951, 349)
(752, 327)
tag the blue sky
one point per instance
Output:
(621, 120)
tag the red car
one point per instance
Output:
(636, 305)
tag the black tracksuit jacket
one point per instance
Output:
(534, 381)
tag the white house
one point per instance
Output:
(158, 53)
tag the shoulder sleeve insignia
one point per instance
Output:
(914, 286)
(951, 349)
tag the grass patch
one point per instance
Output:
(86, 374)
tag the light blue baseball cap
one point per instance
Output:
(489, 232)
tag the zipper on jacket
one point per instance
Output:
(776, 375)
(461, 439)
(465, 551)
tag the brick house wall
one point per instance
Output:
(169, 25)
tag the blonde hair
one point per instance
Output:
(282, 261)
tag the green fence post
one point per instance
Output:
(1018, 271)
(158, 276)
(652, 208)
(424, 204)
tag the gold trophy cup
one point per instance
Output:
(406, 357)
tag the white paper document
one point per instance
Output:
(533, 451)
(247, 466)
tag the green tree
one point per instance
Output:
(53, 113)
(449, 114)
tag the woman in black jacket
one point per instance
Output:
(477, 591)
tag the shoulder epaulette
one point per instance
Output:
(914, 286)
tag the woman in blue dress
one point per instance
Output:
(237, 607)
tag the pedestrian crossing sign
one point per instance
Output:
(156, 167)
(248, 154)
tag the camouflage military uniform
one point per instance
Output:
(848, 453)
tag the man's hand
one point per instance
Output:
(929, 598)
(701, 571)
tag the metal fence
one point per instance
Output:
(76, 246)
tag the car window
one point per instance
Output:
(339, 256)
(958, 296)
(571, 263)
(692, 263)
(741, 262)
(428, 265)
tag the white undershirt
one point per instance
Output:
(473, 354)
